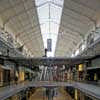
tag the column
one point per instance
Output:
(76, 94)
(21, 75)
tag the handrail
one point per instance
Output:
(13, 89)
(11, 46)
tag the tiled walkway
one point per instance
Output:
(61, 95)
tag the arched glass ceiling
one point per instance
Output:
(49, 12)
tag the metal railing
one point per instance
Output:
(12, 83)
(9, 46)
(8, 84)
(97, 83)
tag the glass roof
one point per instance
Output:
(49, 13)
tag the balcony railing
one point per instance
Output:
(9, 46)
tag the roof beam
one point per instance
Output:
(29, 28)
(80, 13)
(12, 17)
(73, 17)
(72, 33)
(65, 45)
(72, 29)
(31, 37)
(75, 26)
(52, 2)
(69, 37)
(83, 5)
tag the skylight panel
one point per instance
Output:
(49, 13)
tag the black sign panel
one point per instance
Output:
(49, 44)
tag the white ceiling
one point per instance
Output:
(20, 18)
(78, 18)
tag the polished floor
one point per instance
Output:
(40, 95)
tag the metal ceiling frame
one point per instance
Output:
(34, 28)
(81, 14)
(67, 45)
(10, 7)
(78, 2)
(74, 19)
(66, 26)
(23, 32)
(73, 26)
(30, 39)
(64, 34)
(67, 37)
(52, 2)
(21, 12)
(73, 30)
